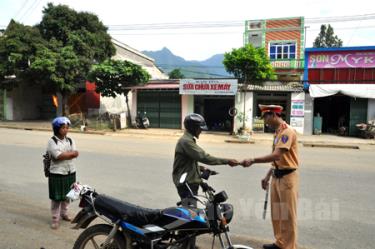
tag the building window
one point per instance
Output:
(282, 50)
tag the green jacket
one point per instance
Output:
(186, 158)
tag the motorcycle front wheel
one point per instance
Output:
(94, 236)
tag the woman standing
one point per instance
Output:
(62, 150)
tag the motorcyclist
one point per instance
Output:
(187, 156)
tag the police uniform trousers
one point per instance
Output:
(284, 195)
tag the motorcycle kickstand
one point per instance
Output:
(230, 245)
(221, 241)
(213, 241)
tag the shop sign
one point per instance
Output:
(208, 87)
(342, 59)
(297, 123)
(296, 64)
(298, 109)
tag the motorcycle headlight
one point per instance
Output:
(227, 211)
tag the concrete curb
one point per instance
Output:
(336, 146)
(47, 129)
(240, 141)
(207, 137)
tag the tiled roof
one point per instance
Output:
(276, 86)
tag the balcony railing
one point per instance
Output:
(288, 64)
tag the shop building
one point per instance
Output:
(283, 40)
(167, 102)
(290, 96)
(341, 82)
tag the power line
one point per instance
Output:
(175, 33)
(31, 9)
(31, 6)
(229, 24)
(228, 32)
(164, 65)
(197, 72)
(181, 25)
(340, 18)
(211, 24)
(20, 9)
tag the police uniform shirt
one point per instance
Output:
(286, 138)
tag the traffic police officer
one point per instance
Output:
(186, 158)
(284, 185)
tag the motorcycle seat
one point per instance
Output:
(131, 213)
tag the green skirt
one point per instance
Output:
(59, 185)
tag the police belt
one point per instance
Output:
(279, 173)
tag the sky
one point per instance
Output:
(201, 43)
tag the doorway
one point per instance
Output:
(215, 110)
(335, 112)
(272, 98)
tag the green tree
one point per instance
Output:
(176, 74)
(58, 53)
(18, 47)
(327, 38)
(76, 41)
(249, 64)
(114, 77)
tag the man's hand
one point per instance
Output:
(233, 162)
(247, 162)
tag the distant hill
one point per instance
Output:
(210, 68)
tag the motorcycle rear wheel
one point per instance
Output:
(94, 236)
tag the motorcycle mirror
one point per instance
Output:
(183, 177)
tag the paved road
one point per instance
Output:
(336, 198)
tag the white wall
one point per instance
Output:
(187, 106)
(8, 107)
(114, 105)
(371, 109)
(133, 104)
(24, 103)
(309, 115)
(247, 108)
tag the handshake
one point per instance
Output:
(245, 163)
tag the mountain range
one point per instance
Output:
(210, 68)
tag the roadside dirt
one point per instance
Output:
(24, 224)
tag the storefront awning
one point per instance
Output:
(275, 86)
(354, 90)
(157, 86)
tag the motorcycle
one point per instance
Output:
(142, 121)
(366, 130)
(128, 226)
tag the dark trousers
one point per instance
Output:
(185, 194)
(188, 201)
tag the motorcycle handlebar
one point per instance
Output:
(206, 173)
(206, 187)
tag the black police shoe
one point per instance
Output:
(270, 246)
